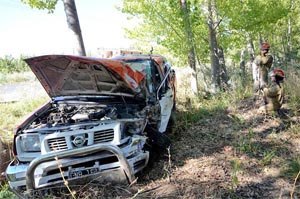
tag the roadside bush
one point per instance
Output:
(9, 64)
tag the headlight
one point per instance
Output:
(30, 143)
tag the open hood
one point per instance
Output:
(65, 75)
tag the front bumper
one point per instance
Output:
(99, 161)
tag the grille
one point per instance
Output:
(57, 144)
(139, 164)
(103, 136)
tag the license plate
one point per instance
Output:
(82, 172)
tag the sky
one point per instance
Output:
(33, 32)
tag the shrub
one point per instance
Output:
(10, 64)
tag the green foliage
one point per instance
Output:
(162, 23)
(5, 193)
(251, 15)
(41, 4)
(10, 64)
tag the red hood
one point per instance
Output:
(65, 75)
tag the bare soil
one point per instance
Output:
(229, 153)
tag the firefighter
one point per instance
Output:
(261, 67)
(273, 94)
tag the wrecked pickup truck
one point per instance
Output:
(101, 122)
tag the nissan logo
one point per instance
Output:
(79, 140)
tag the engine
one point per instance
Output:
(61, 114)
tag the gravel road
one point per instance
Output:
(21, 91)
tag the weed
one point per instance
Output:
(267, 157)
(235, 180)
(236, 167)
(5, 193)
(293, 168)
(246, 145)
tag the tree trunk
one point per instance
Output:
(250, 49)
(223, 70)
(242, 63)
(215, 67)
(243, 67)
(284, 50)
(289, 33)
(289, 41)
(190, 43)
(73, 23)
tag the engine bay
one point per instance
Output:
(64, 113)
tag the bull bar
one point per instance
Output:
(30, 184)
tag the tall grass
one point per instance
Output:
(291, 85)
(13, 113)
(293, 167)
(13, 78)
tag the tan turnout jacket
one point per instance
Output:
(273, 96)
(264, 64)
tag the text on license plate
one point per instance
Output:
(83, 172)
